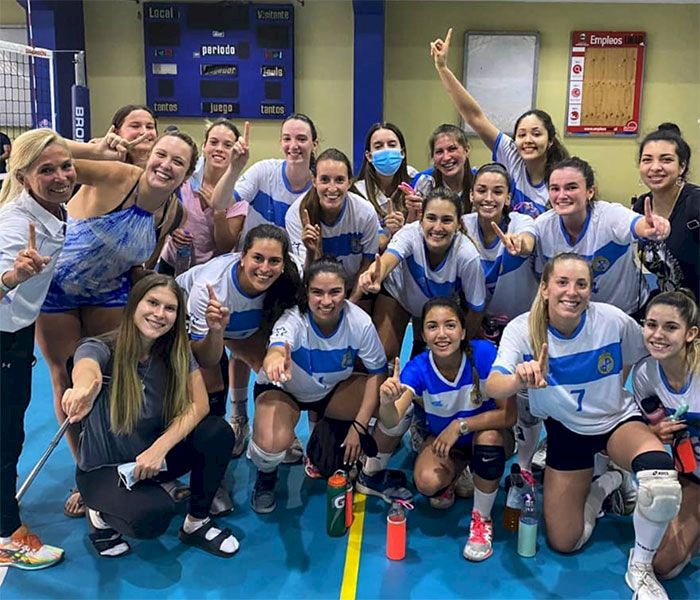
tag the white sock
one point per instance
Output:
(97, 520)
(377, 463)
(601, 488)
(647, 537)
(192, 524)
(5, 540)
(239, 402)
(601, 462)
(527, 445)
(483, 502)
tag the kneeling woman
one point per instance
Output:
(463, 426)
(572, 355)
(142, 400)
(309, 366)
(672, 375)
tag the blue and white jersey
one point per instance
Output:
(526, 198)
(353, 236)
(320, 362)
(606, 241)
(649, 379)
(413, 282)
(585, 376)
(265, 187)
(511, 284)
(382, 198)
(221, 272)
(445, 400)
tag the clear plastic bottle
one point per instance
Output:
(396, 532)
(514, 499)
(527, 529)
(183, 259)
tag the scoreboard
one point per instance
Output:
(219, 60)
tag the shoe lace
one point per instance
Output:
(29, 541)
(648, 580)
(479, 530)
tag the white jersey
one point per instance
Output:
(222, 273)
(413, 282)
(320, 362)
(585, 383)
(607, 243)
(511, 284)
(649, 379)
(353, 236)
(265, 187)
(526, 197)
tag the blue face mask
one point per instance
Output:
(387, 161)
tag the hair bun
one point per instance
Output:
(670, 127)
(687, 292)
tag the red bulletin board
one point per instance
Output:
(605, 82)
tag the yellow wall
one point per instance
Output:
(11, 13)
(414, 99)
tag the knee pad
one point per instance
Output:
(217, 402)
(266, 462)
(400, 428)
(652, 461)
(525, 417)
(488, 462)
(659, 497)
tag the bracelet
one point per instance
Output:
(6, 289)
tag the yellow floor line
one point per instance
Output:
(348, 589)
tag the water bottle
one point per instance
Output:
(527, 529)
(514, 499)
(335, 504)
(653, 410)
(183, 259)
(396, 532)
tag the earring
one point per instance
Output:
(680, 181)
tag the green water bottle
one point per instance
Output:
(335, 504)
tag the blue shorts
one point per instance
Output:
(58, 300)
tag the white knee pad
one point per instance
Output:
(400, 428)
(659, 498)
(264, 461)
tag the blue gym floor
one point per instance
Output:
(287, 554)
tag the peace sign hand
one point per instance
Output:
(653, 227)
(394, 219)
(392, 388)
(512, 242)
(311, 236)
(27, 263)
(439, 50)
(533, 374)
(216, 314)
(371, 280)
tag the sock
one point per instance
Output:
(527, 445)
(600, 464)
(97, 520)
(483, 502)
(192, 524)
(239, 402)
(647, 537)
(5, 540)
(601, 488)
(375, 464)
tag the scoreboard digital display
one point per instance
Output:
(219, 60)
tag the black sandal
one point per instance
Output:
(198, 539)
(107, 542)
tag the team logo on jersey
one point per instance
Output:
(356, 244)
(606, 363)
(279, 331)
(600, 264)
(347, 359)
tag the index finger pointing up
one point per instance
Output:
(32, 237)
(246, 132)
(544, 353)
(397, 367)
(377, 268)
(305, 218)
(448, 37)
(212, 293)
(648, 211)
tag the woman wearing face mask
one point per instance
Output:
(534, 146)
(664, 160)
(671, 376)
(384, 173)
(571, 355)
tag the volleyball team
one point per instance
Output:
(171, 273)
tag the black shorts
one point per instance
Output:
(319, 406)
(570, 451)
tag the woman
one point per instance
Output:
(135, 122)
(112, 231)
(40, 180)
(143, 406)
(671, 376)
(572, 355)
(463, 426)
(384, 169)
(331, 220)
(664, 160)
(533, 147)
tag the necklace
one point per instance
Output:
(668, 214)
(145, 374)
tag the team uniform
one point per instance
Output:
(445, 401)
(413, 282)
(526, 198)
(352, 237)
(510, 281)
(265, 187)
(606, 241)
(321, 362)
(649, 379)
(221, 273)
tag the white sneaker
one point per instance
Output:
(464, 486)
(241, 431)
(480, 543)
(444, 500)
(641, 579)
(539, 459)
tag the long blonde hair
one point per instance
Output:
(539, 314)
(25, 150)
(126, 392)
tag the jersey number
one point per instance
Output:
(579, 400)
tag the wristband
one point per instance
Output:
(6, 289)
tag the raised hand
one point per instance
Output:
(533, 374)
(279, 367)
(311, 236)
(439, 49)
(371, 280)
(27, 263)
(512, 242)
(77, 401)
(392, 388)
(216, 315)
(394, 219)
(413, 202)
(652, 226)
(241, 150)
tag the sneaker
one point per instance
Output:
(262, 499)
(479, 546)
(241, 431)
(641, 579)
(26, 551)
(464, 486)
(222, 503)
(310, 469)
(444, 500)
(623, 499)
(107, 542)
(539, 460)
(387, 484)
(294, 453)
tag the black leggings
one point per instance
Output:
(146, 511)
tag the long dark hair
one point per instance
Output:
(325, 264)
(498, 169)
(669, 132)
(461, 138)
(556, 151)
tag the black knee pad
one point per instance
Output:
(488, 462)
(654, 459)
(217, 402)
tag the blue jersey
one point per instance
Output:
(444, 400)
